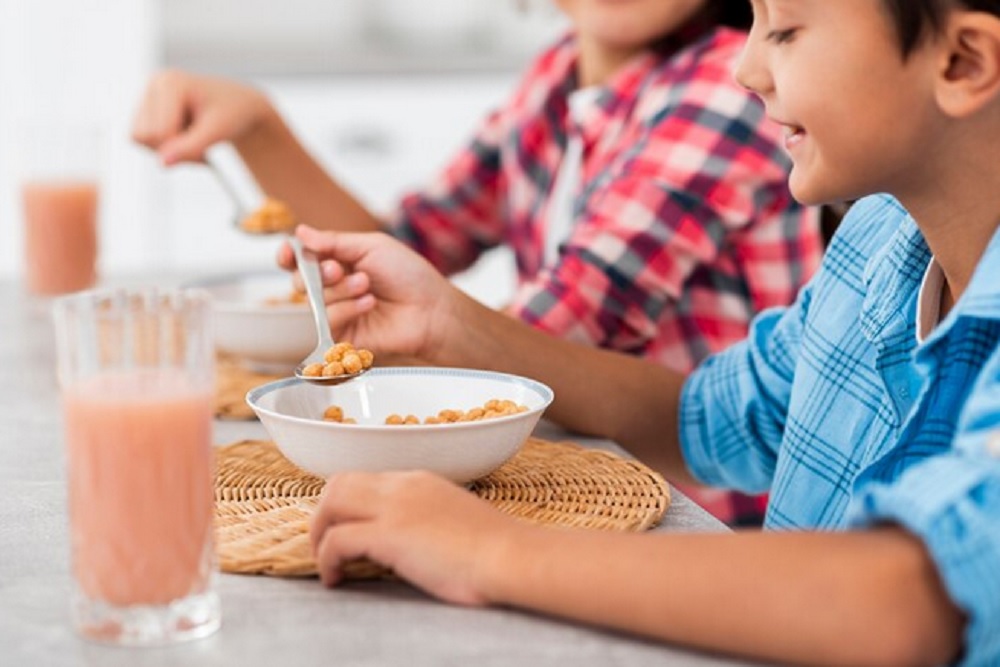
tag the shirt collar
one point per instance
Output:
(893, 277)
(618, 97)
(892, 280)
(982, 296)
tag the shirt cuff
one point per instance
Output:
(693, 428)
(951, 502)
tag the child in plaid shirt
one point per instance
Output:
(870, 408)
(642, 191)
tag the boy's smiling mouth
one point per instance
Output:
(794, 135)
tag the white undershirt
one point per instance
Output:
(929, 300)
(559, 213)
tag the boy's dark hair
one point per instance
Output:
(729, 13)
(913, 18)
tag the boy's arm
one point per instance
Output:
(841, 599)
(284, 169)
(866, 597)
(597, 392)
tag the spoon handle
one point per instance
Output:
(309, 268)
(241, 209)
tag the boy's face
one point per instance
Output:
(628, 25)
(856, 114)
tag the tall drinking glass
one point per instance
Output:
(60, 190)
(136, 372)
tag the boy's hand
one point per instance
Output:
(380, 294)
(181, 115)
(431, 532)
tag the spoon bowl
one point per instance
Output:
(309, 268)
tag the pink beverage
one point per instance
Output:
(141, 494)
(60, 235)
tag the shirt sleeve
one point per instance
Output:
(734, 407)
(952, 503)
(456, 218)
(704, 180)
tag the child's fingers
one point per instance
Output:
(190, 144)
(342, 544)
(345, 287)
(346, 247)
(347, 497)
(285, 257)
(341, 314)
(161, 115)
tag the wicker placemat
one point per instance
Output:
(263, 501)
(233, 381)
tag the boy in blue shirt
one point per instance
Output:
(869, 409)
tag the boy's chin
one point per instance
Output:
(809, 193)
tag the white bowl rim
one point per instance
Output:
(238, 306)
(546, 393)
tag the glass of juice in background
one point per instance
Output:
(60, 173)
(136, 373)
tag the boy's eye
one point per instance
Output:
(781, 36)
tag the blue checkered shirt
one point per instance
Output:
(833, 406)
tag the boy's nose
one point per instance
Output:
(751, 71)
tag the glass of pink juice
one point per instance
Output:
(136, 372)
(60, 235)
(59, 169)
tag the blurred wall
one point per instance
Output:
(382, 92)
(71, 62)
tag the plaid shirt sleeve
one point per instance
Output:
(692, 217)
(455, 219)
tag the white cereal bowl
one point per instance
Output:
(269, 337)
(292, 412)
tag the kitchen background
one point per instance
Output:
(382, 92)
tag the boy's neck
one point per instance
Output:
(953, 194)
(957, 230)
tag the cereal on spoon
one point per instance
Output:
(274, 216)
(341, 359)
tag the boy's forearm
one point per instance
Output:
(597, 392)
(808, 598)
(286, 170)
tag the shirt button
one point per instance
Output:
(903, 392)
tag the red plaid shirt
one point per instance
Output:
(684, 225)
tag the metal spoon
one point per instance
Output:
(309, 268)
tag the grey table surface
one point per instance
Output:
(266, 621)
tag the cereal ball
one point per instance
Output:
(273, 216)
(313, 370)
(352, 362)
(332, 369)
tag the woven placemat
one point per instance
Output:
(264, 502)
(233, 381)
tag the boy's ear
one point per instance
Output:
(970, 73)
